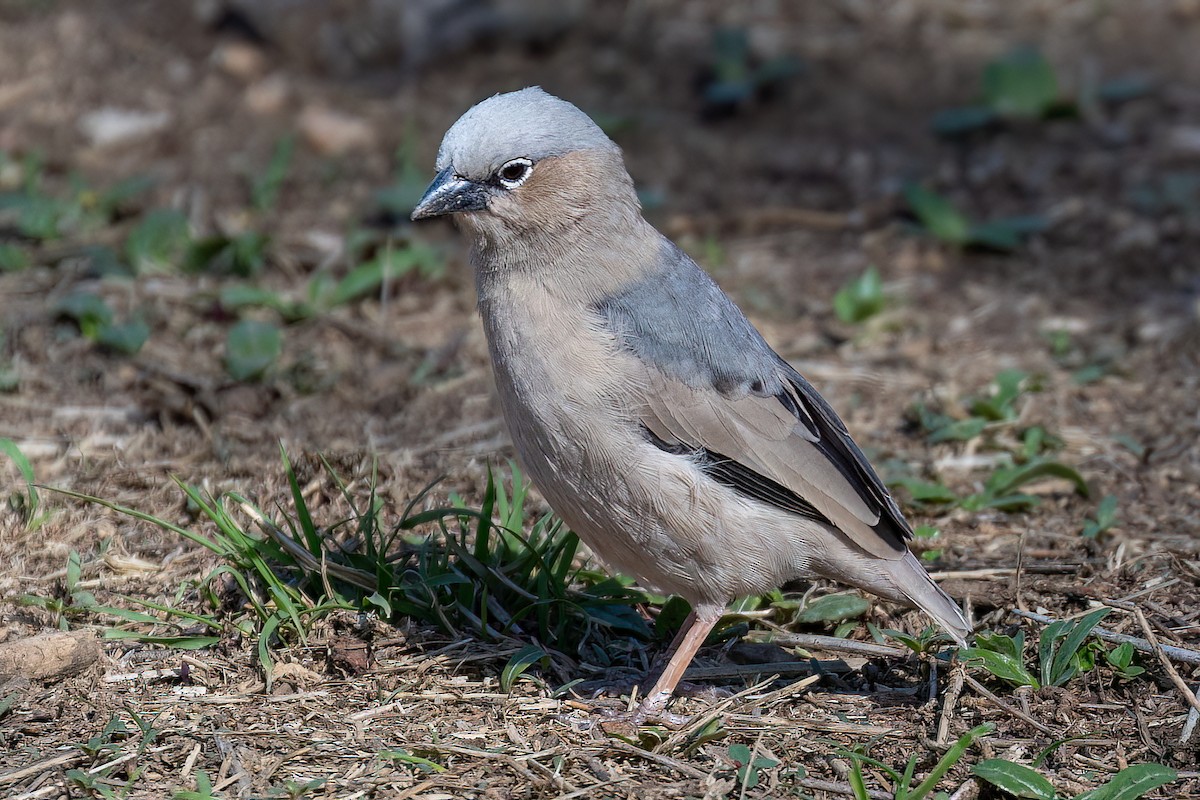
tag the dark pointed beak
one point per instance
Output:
(449, 194)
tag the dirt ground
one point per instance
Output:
(784, 201)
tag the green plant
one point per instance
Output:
(70, 601)
(1019, 780)
(736, 75)
(159, 242)
(294, 790)
(1063, 652)
(947, 224)
(1020, 85)
(1120, 658)
(1061, 648)
(251, 347)
(41, 216)
(96, 322)
(989, 414)
(480, 571)
(324, 293)
(27, 503)
(749, 765)
(1106, 517)
(903, 781)
(204, 789)
(860, 298)
(264, 190)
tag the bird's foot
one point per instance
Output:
(652, 709)
(625, 721)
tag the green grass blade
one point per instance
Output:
(1074, 640)
(312, 539)
(191, 536)
(952, 757)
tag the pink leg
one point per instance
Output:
(689, 639)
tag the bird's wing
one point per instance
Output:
(786, 448)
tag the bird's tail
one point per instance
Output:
(913, 584)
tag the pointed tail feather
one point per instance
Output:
(913, 583)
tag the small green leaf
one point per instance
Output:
(861, 298)
(1133, 782)
(126, 338)
(956, 122)
(12, 258)
(1006, 479)
(1066, 657)
(523, 659)
(926, 492)
(960, 430)
(159, 242)
(1022, 84)
(1015, 779)
(251, 348)
(1003, 666)
(1120, 656)
(265, 190)
(403, 756)
(1106, 517)
(1007, 233)
(938, 215)
(88, 310)
(834, 608)
(999, 643)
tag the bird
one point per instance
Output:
(654, 418)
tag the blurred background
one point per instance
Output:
(973, 225)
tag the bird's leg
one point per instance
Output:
(693, 633)
(660, 661)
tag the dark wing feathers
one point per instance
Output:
(717, 394)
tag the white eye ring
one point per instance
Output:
(514, 173)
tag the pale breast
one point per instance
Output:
(570, 394)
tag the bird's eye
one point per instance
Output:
(514, 173)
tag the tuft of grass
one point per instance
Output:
(25, 503)
(487, 572)
(903, 781)
(987, 415)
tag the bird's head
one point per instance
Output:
(527, 162)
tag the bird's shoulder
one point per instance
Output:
(677, 320)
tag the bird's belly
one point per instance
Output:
(646, 513)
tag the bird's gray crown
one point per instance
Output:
(525, 124)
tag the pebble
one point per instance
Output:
(110, 126)
(332, 132)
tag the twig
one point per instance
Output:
(832, 644)
(40, 766)
(660, 759)
(1175, 653)
(1172, 673)
(949, 703)
(1017, 573)
(1016, 712)
(1189, 726)
(839, 788)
